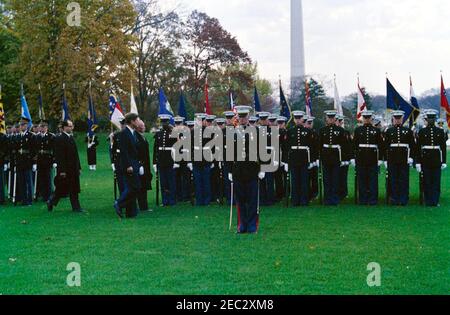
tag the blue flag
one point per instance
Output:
(25, 110)
(65, 108)
(256, 101)
(396, 102)
(285, 108)
(92, 118)
(164, 105)
(182, 107)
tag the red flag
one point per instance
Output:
(208, 109)
(362, 106)
(444, 101)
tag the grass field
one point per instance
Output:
(185, 250)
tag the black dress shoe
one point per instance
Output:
(118, 210)
(49, 206)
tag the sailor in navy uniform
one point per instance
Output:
(45, 143)
(368, 145)
(432, 158)
(26, 164)
(245, 174)
(400, 153)
(163, 161)
(300, 160)
(332, 144)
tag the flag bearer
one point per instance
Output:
(367, 144)
(432, 158)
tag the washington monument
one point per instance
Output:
(297, 46)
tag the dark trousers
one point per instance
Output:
(343, 182)
(314, 182)
(168, 186)
(331, 184)
(57, 195)
(432, 186)
(399, 184)
(183, 178)
(216, 185)
(267, 193)
(280, 185)
(129, 195)
(24, 187)
(143, 196)
(368, 184)
(300, 185)
(44, 183)
(247, 206)
(202, 181)
(2, 184)
(227, 183)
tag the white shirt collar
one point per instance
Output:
(67, 134)
(131, 129)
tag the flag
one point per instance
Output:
(164, 106)
(256, 101)
(92, 117)
(65, 107)
(25, 111)
(285, 110)
(396, 102)
(133, 106)
(2, 115)
(444, 101)
(115, 112)
(361, 103)
(232, 104)
(208, 109)
(41, 105)
(308, 101)
(337, 99)
(414, 103)
(182, 112)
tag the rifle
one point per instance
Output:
(157, 187)
(231, 207)
(35, 184)
(15, 186)
(288, 188)
(9, 182)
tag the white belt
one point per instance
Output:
(304, 148)
(368, 146)
(334, 146)
(429, 147)
(166, 149)
(400, 145)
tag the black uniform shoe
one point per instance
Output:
(49, 206)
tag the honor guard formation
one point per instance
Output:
(239, 160)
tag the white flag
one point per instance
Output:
(133, 106)
(337, 99)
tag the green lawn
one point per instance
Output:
(187, 250)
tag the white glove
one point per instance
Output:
(190, 167)
(5, 167)
(34, 168)
(386, 164)
(380, 163)
(220, 166)
(311, 166)
(9, 166)
(317, 163)
(353, 162)
(419, 168)
(276, 164)
(176, 166)
(113, 167)
(286, 168)
(212, 166)
(343, 164)
(141, 171)
(55, 165)
(444, 166)
(261, 175)
(410, 161)
(230, 177)
(155, 168)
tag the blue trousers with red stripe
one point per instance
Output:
(247, 205)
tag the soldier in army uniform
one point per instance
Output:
(400, 152)
(245, 174)
(26, 164)
(332, 142)
(300, 160)
(45, 143)
(367, 145)
(432, 158)
(163, 162)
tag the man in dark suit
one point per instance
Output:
(130, 167)
(143, 148)
(67, 181)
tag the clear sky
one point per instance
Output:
(344, 37)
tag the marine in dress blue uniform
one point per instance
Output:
(343, 176)
(432, 158)
(367, 144)
(400, 152)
